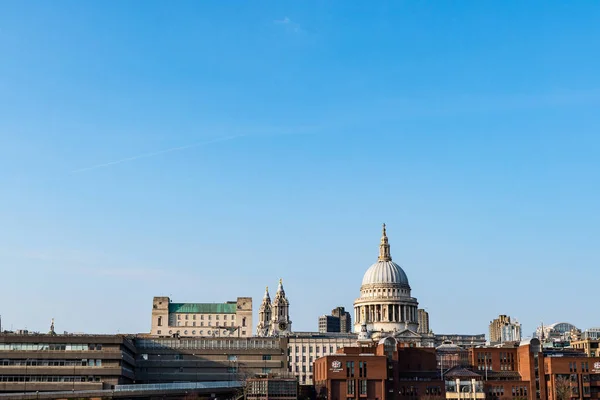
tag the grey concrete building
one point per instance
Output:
(161, 360)
(339, 321)
(36, 362)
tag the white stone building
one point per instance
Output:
(385, 304)
(305, 347)
(274, 317)
(230, 319)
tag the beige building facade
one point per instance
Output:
(304, 348)
(230, 319)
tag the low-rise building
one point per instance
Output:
(162, 360)
(34, 362)
(230, 319)
(462, 340)
(591, 347)
(383, 371)
(303, 348)
(271, 387)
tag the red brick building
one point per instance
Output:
(532, 372)
(383, 372)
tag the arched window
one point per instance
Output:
(159, 321)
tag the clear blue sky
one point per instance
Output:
(203, 151)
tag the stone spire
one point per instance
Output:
(266, 296)
(280, 287)
(384, 247)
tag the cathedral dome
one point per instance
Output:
(387, 272)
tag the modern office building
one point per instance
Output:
(339, 321)
(35, 362)
(503, 330)
(423, 317)
(230, 319)
(162, 360)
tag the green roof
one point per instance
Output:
(202, 308)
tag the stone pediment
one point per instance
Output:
(407, 334)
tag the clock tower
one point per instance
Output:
(280, 314)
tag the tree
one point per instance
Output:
(562, 388)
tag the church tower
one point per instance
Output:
(264, 315)
(280, 319)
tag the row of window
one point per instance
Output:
(351, 387)
(297, 368)
(496, 391)
(185, 316)
(53, 363)
(316, 348)
(585, 367)
(198, 343)
(185, 323)
(201, 332)
(48, 346)
(45, 378)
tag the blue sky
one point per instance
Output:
(203, 151)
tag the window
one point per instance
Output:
(194, 323)
(178, 316)
(186, 316)
(202, 323)
(193, 332)
(244, 321)
(310, 349)
(209, 317)
(158, 331)
(266, 357)
(324, 349)
(297, 349)
(350, 387)
(297, 359)
(194, 316)
(159, 321)
(201, 316)
(331, 349)
(217, 317)
(363, 387)
(317, 349)
(304, 349)
(303, 358)
(304, 368)
(350, 369)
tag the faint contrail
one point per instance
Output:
(123, 160)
